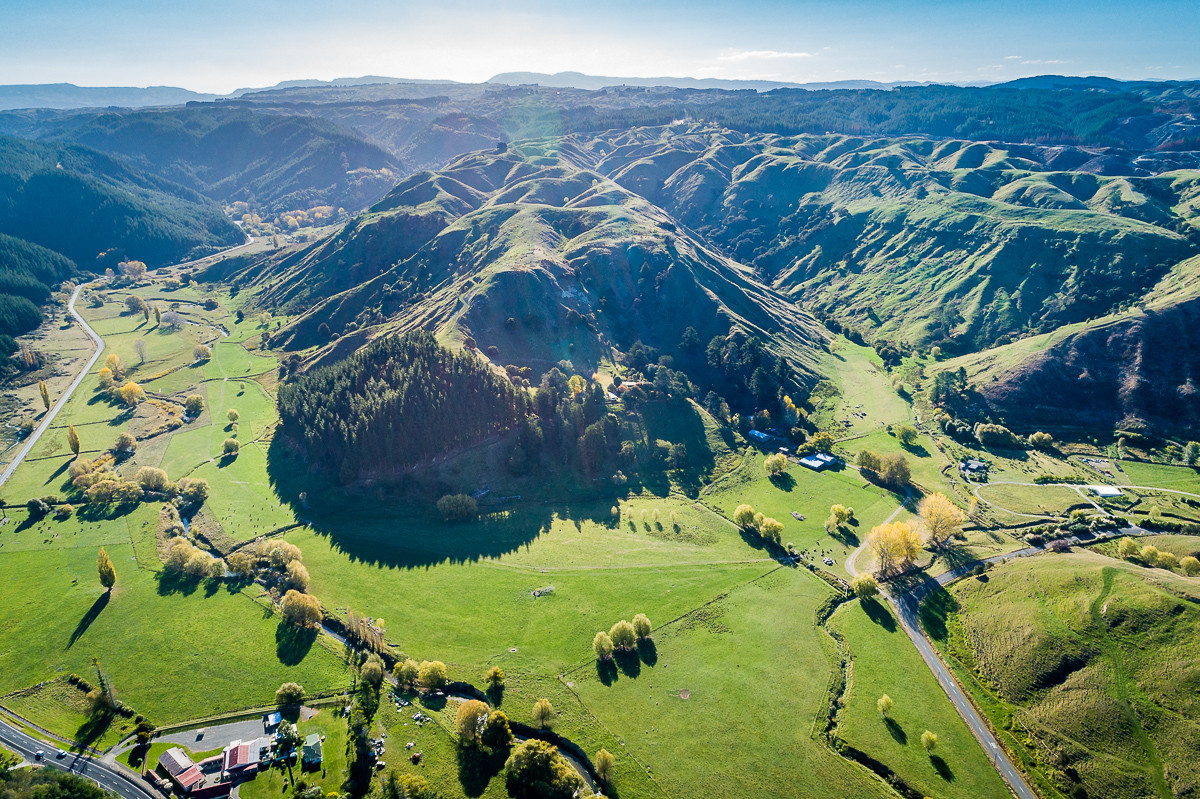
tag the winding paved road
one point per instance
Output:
(48, 419)
(62, 401)
(110, 777)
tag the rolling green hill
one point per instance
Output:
(1130, 370)
(925, 242)
(1089, 665)
(539, 259)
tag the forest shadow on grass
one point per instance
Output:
(647, 651)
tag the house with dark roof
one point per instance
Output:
(311, 754)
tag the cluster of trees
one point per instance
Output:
(429, 675)
(185, 558)
(623, 636)
(1152, 556)
(47, 783)
(108, 383)
(571, 426)
(457, 507)
(839, 516)
(481, 728)
(775, 464)
(27, 281)
(891, 470)
(745, 517)
(101, 485)
(397, 401)
(279, 561)
(535, 770)
(941, 519)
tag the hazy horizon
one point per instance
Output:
(223, 46)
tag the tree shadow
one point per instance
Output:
(647, 651)
(477, 768)
(879, 614)
(628, 662)
(176, 583)
(783, 481)
(57, 472)
(93, 612)
(495, 695)
(292, 643)
(433, 702)
(935, 610)
(943, 768)
(897, 732)
(93, 728)
(225, 460)
(846, 536)
(606, 670)
(916, 449)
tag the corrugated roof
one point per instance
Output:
(175, 761)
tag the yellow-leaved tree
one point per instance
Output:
(896, 546)
(941, 518)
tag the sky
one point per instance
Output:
(220, 45)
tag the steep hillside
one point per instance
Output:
(952, 243)
(1138, 369)
(543, 261)
(28, 274)
(81, 203)
(1095, 663)
(274, 162)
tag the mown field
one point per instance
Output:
(1087, 666)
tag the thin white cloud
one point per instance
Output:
(1013, 57)
(1044, 61)
(761, 55)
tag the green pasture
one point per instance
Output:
(885, 662)
(172, 650)
(810, 494)
(727, 705)
(481, 576)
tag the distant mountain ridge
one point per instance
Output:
(68, 95)
(578, 80)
